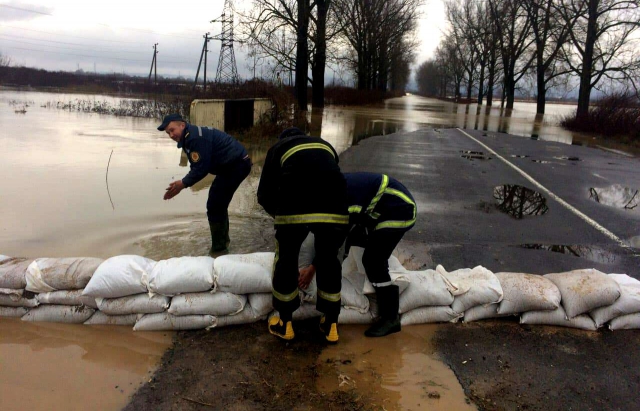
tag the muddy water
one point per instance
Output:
(397, 372)
(78, 184)
(46, 366)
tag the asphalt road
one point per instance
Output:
(461, 225)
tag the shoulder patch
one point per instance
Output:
(195, 156)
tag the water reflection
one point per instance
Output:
(591, 253)
(616, 196)
(519, 201)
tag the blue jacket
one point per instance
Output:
(209, 151)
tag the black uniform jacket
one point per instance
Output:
(301, 183)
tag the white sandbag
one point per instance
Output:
(62, 297)
(246, 316)
(13, 311)
(134, 304)
(585, 290)
(349, 295)
(261, 303)
(558, 317)
(12, 291)
(304, 312)
(100, 318)
(51, 274)
(628, 303)
(527, 292)
(482, 285)
(165, 321)
(482, 312)
(120, 276)
(59, 314)
(625, 322)
(218, 304)
(244, 273)
(307, 251)
(13, 273)
(181, 275)
(17, 301)
(399, 278)
(354, 271)
(349, 316)
(3, 258)
(425, 315)
(426, 288)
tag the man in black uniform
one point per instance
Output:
(381, 211)
(303, 189)
(209, 151)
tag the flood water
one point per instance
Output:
(77, 184)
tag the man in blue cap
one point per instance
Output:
(209, 151)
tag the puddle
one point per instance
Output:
(397, 372)
(49, 366)
(519, 201)
(541, 161)
(519, 156)
(616, 196)
(474, 155)
(595, 254)
(568, 158)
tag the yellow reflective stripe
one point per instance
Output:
(329, 297)
(307, 146)
(285, 297)
(383, 186)
(374, 215)
(395, 224)
(355, 209)
(400, 194)
(312, 218)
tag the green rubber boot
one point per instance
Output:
(388, 303)
(219, 238)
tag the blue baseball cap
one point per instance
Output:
(168, 119)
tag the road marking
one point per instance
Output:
(568, 206)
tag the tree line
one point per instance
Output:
(373, 40)
(551, 44)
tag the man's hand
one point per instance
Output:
(173, 189)
(306, 275)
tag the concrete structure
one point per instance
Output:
(229, 115)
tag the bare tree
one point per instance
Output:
(429, 78)
(464, 26)
(603, 44)
(5, 61)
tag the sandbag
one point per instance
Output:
(354, 271)
(304, 312)
(218, 304)
(166, 322)
(425, 315)
(181, 275)
(13, 311)
(100, 318)
(350, 316)
(62, 297)
(59, 314)
(13, 272)
(307, 251)
(482, 285)
(585, 290)
(625, 322)
(3, 258)
(558, 317)
(17, 301)
(12, 291)
(628, 303)
(52, 274)
(527, 292)
(261, 303)
(120, 276)
(482, 312)
(134, 304)
(426, 288)
(246, 316)
(244, 273)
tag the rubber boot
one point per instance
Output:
(329, 330)
(388, 303)
(219, 236)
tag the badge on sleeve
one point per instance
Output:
(195, 156)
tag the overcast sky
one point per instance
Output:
(118, 35)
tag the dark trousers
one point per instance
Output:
(328, 239)
(223, 187)
(378, 246)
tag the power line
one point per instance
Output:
(85, 55)
(70, 35)
(58, 42)
(27, 10)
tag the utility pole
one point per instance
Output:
(154, 65)
(203, 53)
(227, 71)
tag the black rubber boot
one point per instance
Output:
(388, 303)
(219, 236)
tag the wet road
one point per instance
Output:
(462, 227)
